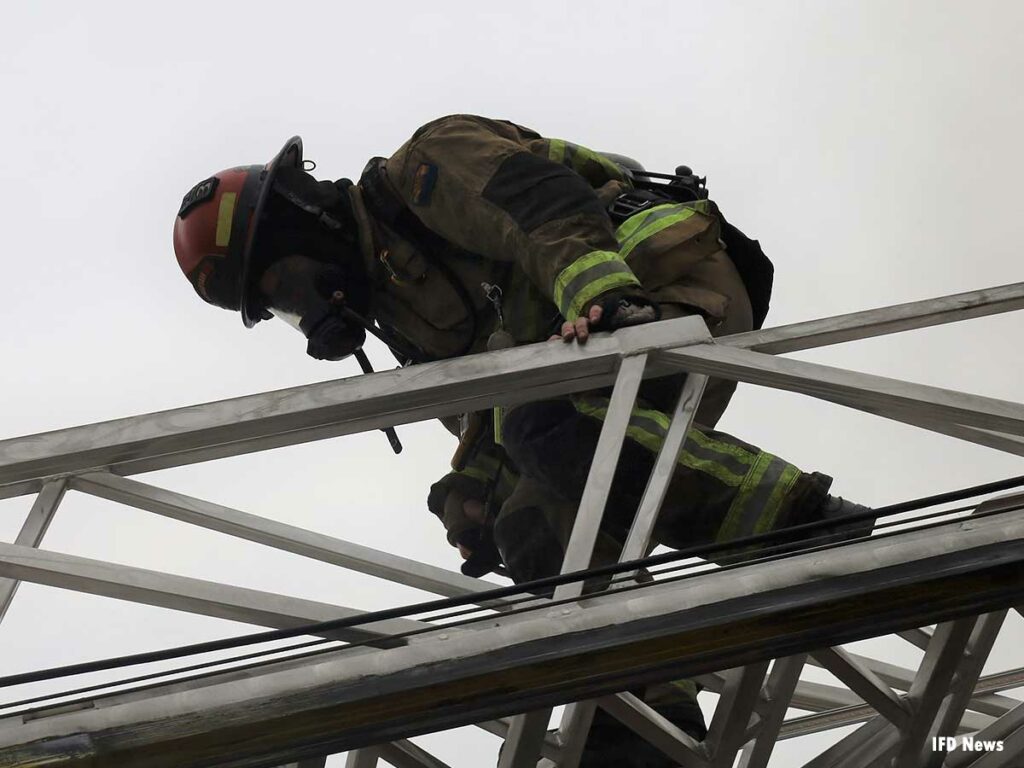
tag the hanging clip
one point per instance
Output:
(493, 294)
(500, 339)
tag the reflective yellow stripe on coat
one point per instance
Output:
(587, 278)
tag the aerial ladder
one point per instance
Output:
(744, 619)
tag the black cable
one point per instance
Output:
(163, 673)
(745, 562)
(255, 638)
(534, 586)
(742, 562)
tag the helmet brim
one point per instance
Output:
(252, 304)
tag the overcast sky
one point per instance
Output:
(873, 148)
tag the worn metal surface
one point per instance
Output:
(278, 535)
(370, 700)
(712, 621)
(332, 408)
(32, 531)
(182, 593)
(881, 321)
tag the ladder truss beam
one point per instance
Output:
(182, 593)
(32, 531)
(332, 408)
(291, 713)
(711, 621)
(317, 411)
(882, 321)
(859, 390)
(278, 535)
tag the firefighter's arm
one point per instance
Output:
(480, 480)
(449, 500)
(477, 183)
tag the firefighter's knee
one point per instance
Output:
(528, 542)
(551, 442)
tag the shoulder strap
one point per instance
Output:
(387, 207)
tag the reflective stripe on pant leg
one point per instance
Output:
(761, 480)
(726, 463)
(759, 499)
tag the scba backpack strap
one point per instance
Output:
(651, 189)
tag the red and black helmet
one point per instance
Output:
(216, 231)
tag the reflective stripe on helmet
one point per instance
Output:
(225, 212)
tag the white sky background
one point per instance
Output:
(873, 148)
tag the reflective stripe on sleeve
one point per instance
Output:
(577, 157)
(648, 223)
(587, 278)
(492, 473)
(556, 150)
(481, 465)
(475, 473)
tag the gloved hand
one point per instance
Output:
(616, 309)
(479, 551)
(459, 503)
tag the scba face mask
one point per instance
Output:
(311, 296)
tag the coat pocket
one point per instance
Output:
(663, 244)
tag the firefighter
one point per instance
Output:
(479, 234)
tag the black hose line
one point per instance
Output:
(739, 561)
(762, 556)
(536, 587)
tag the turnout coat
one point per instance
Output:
(487, 201)
(477, 225)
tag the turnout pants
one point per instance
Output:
(723, 488)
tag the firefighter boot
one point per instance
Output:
(838, 508)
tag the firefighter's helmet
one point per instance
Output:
(216, 231)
